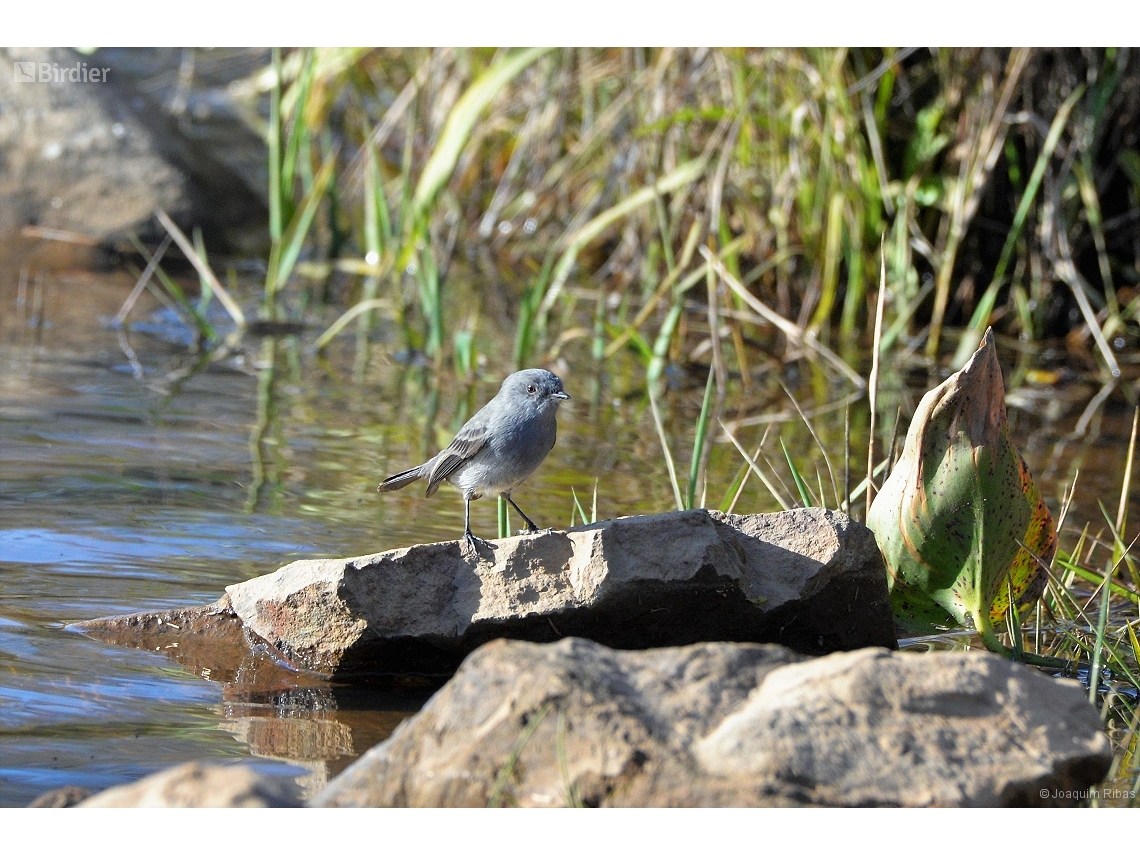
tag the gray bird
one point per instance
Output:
(498, 447)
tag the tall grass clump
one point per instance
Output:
(573, 181)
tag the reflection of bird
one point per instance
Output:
(498, 447)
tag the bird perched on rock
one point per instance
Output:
(498, 447)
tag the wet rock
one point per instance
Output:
(715, 724)
(83, 150)
(201, 785)
(810, 579)
(208, 640)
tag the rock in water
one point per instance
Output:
(810, 579)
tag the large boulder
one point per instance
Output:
(810, 579)
(575, 723)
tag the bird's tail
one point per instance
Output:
(401, 479)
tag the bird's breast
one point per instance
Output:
(512, 451)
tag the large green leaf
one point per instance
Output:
(960, 520)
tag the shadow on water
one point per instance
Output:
(149, 478)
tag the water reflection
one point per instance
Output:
(322, 729)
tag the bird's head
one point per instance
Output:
(539, 387)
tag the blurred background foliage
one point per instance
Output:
(1002, 183)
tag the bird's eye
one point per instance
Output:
(531, 389)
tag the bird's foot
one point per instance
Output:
(473, 543)
(530, 526)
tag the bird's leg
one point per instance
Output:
(530, 526)
(470, 539)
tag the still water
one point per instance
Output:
(133, 478)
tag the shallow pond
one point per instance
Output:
(133, 478)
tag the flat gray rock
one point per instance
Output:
(715, 724)
(810, 579)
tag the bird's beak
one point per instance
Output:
(561, 396)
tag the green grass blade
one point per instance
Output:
(464, 346)
(578, 506)
(293, 137)
(207, 292)
(1098, 648)
(699, 440)
(1094, 577)
(661, 344)
(285, 254)
(831, 260)
(273, 142)
(376, 217)
(525, 332)
(431, 300)
(1013, 623)
(801, 485)
(732, 494)
(658, 424)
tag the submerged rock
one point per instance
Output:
(575, 723)
(201, 785)
(810, 579)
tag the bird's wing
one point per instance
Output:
(466, 445)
